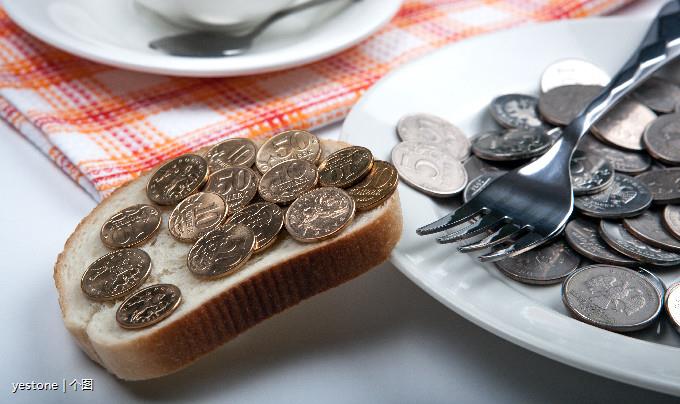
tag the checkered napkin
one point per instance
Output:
(103, 126)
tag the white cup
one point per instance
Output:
(226, 15)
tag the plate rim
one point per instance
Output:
(507, 331)
(163, 64)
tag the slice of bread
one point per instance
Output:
(212, 311)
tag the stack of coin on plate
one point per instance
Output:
(626, 226)
(230, 204)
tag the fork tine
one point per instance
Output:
(506, 232)
(454, 218)
(524, 243)
(490, 221)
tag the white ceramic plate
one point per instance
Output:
(117, 33)
(457, 83)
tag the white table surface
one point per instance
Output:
(377, 339)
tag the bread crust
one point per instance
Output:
(176, 344)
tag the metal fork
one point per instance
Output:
(530, 205)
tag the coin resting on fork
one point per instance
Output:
(531, 204)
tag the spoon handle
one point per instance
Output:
(285, 12)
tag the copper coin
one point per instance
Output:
(196, 215)
(265, 219)
(671, 219)
(116, 274)
(149, 306)
(663, 184)
(319, 214)
(545, 265)
(624, 125)
(377, 187)
(130, 226)
(177, 179)
(237, 185)
(662, 138)
(239, 152)
(286, 181)
(649, 228)
(345, 167)
(290, 145)
(221, 251)
(561, 105)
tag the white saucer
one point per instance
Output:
(117, 33)
(457, 83)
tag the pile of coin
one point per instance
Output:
(229, 211)
(625, 226)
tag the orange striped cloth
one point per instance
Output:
(103, 126)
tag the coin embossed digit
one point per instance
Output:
(377, 187)
(237, 152)
(148, 306)
(429, 168)
(345, 167)
(265, 219)
(130, 226)
(177, 179)
(290, 145)
(197, 215)
(116, 274)
(237, 185)
(221, 251)
(319, 214)
(286, 181)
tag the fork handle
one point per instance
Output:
(660, 45)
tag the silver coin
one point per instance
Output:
(545, 265)
(618, 238)
(590, 173)
(515, 144)
(660, 95)
(474, 167)
(514, 111)
(554, 134)
(426, 128)
(649, 228)
(611, 297)
(582, 235)
(654, 280)
(671, 219)
(475, 186)
(672, 305)
(572, 71)
(624, 125)
(625, 162)
(663, 184)
(429, 169)
(662, 138)
(625, 197)
(560, 105)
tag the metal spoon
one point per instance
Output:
(219, 44)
